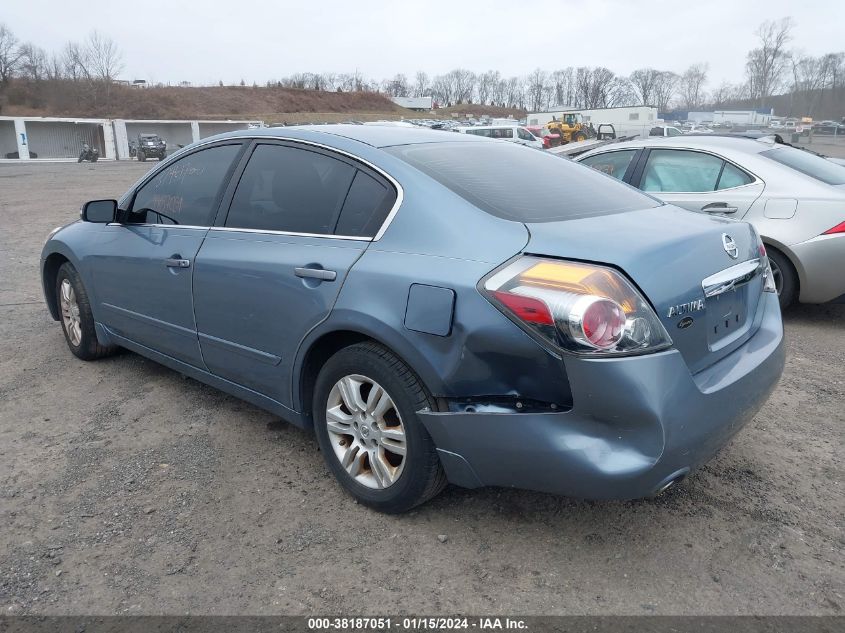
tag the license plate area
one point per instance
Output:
(727, 314)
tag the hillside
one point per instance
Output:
(64, 98)
(273, 104)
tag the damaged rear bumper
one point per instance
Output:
(637, 424)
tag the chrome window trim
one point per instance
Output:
(232, 229)
(400, 192)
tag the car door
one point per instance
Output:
(299, 218)
(143, 265)
(698, 181)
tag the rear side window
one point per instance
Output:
(611, 163)
(681, 171)
(502, 132)
(733, 176)
(673, 170)
(185, 192)
(367, 205)
(808, 164)
(290, 189)
(519, 183)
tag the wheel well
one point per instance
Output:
(320, 351)
(51, 271)
(773, 247)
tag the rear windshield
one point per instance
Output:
(520, 183)
(809, 164)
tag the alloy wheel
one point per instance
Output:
(70, 313)
(366, 431)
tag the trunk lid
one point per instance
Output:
(668, 253)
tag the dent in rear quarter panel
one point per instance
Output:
(439, 239)
(485, 353)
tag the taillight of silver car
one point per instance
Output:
(576, 307)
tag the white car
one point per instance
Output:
(794, 198)
(513, 133)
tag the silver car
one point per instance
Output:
(795, 199)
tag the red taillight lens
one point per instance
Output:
(602, 322)
(526, 308)
(839, 228)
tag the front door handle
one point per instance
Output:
(315, 273)
(719, 207)
(176, 262)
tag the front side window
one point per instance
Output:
(681, 171)
(185, 192)
(673, 131)
(611, 163)
(290, 189)
(525, 135)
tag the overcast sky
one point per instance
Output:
(257, 40)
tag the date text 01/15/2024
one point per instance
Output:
(415, 624)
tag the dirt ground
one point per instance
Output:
(127, 489)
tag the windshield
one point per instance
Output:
(522, 184)
(808, 164)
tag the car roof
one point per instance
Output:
(707, 141)
(374, 135)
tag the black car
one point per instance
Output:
(150, 146)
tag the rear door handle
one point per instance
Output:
(719, 207)
(315, 273)
(175, 262)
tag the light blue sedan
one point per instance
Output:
(437, 307)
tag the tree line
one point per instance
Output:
(813, 84)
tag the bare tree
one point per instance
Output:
(535, 86)
(34, 64)
(10, 54)
(664, 89)
(691, 86)
(563, 82)
(105, 58)
(485, 86)
(645, 83)
(766, 64)
(422, 87)
(599, 88)
(396, 87)
(810, 76)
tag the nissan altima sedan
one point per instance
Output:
(436, 307)
(794, 198)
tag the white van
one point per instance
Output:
(513, 133)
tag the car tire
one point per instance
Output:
(578, 137)
(76, 317)
(398, 483)
(786, 279)
(141, 156)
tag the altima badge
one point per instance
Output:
(686, 308)
(730, 246)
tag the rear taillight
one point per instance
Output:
(577, 307)
(839, 228)
(768, 277)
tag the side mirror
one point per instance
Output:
(100, 211)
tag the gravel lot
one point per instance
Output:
(126, 488)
